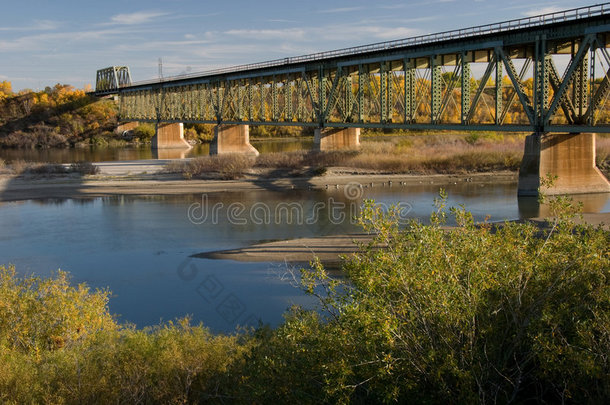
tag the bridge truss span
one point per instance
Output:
(111, 79)
(549, 77)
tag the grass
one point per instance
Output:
(20, 167)
(228, 167)
(83, 168)
(443, 154)
(430, 154)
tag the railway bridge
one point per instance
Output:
(547, 75)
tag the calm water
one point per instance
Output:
(106, 154)
(140, 248)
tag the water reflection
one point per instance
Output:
(530, 207)
(282, 145)
(107, 154)
(178, 153)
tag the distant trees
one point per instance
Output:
(57, 116)
(5, 89)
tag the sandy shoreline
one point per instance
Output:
(146, 178)
(303, 250)
(329, 249)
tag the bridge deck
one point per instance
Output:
(424, 82)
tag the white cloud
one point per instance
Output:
(140, 17)
(394, 33)
(359, 34)
(173, 46)
(37, 25)
(290, 33)
(53, 41)
(540, 11)
(279, 20)
(411, 5)
(340, 10)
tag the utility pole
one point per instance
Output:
(160, 70)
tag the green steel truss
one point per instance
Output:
(111, 79)
(540, 79)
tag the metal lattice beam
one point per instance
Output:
(112, 79)
(406, 85)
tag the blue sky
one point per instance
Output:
(44, 42)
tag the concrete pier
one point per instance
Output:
(570, 157)
(232, 139)
(169, 135)
(326, 139)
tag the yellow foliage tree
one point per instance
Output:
(6, 89)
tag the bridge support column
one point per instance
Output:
(126, 126)
(232, 139)
(169, 135)
(336, 138)
(570, 157)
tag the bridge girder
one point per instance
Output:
(111, 79)
(430, 86)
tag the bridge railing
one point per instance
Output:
(520, 23)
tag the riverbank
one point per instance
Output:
(329, 249)
(147, 177)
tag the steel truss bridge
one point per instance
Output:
(549, 73)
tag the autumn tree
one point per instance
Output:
(5, 89)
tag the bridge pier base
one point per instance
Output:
(336, 138)
(169, 136)
(570, 157)
(126, 126)
(232, 139)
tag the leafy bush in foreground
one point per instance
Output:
(505, 314)
(59, 344)
(478, 313)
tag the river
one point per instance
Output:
(140, 247)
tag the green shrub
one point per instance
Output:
(479, 313)
(199, 132)
(83, 168)
(18, 166)
(229, 166)
(39, 314)
(472, 138)
(99, 140)
(46, 168)
(144, 132)
(59, 344)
